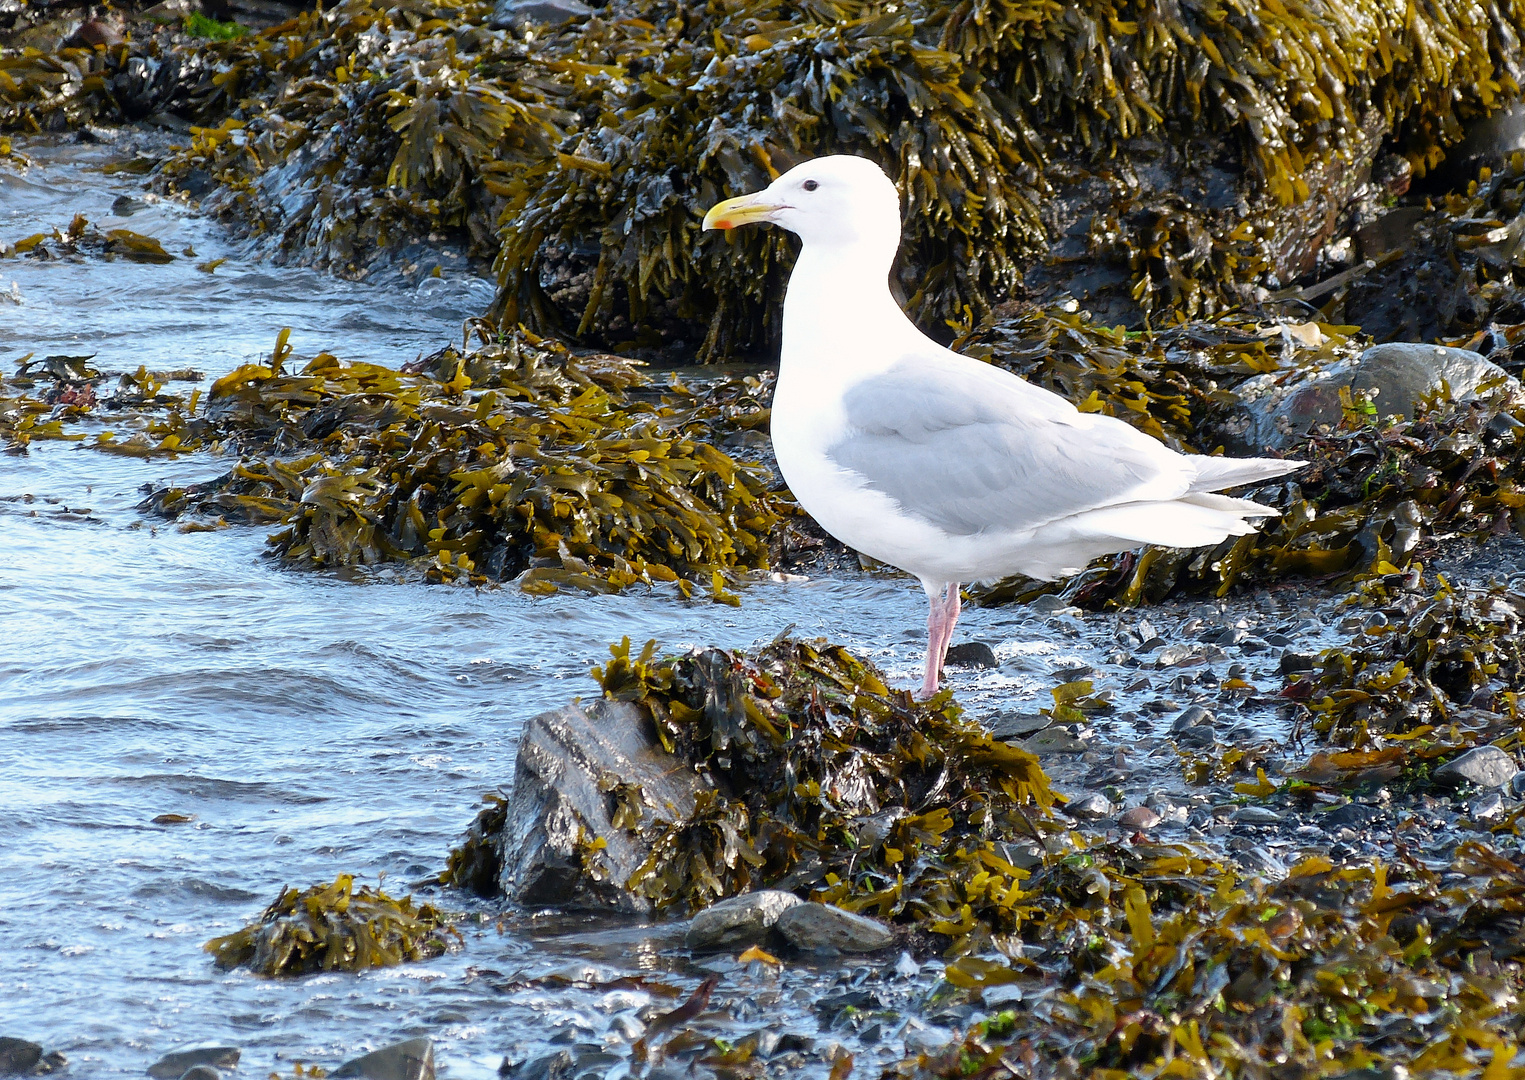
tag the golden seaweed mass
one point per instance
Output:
(335, 928)
(580, 157)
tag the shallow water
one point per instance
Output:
(313, 724)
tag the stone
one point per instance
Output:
(810, 926)
(1138, 817)
(1256, 815)
(18, 1055)
(1351, 815)
(568, 758)
(1278, 409)
(201, 1072)
(738, 922)
(174, 1064)
(1010, 726)
(1093, 804)
(1053, 741)
(1483, 766)
(1293, 661)
(1486, 807)
(1192, 716)
(514, 14)
(974, 654)
(412, 1059)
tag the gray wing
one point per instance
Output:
(975, 448)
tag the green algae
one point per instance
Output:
(335, 928)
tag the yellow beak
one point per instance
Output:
(742, 210)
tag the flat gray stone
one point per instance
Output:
(409, 1060)
(571, 761)
(508, 14)
(1093, 804)
(174, 1064)
(811, 926)
(1279, 409)
(1483, 766)
(1053, 741)
(738, 922)
(1139, 817)
(1010, 726)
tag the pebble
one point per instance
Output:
(1009, 726)
(1293, 662)
(1138, 817)
(1353, 814)
(412, 1059)
(1484, 766)
(1093, 804)
(1257, 815)
(1192, 716)
(1053, 741)
(1172, 655)
(740, 921)
(810, 926)
(176, 1063)
(926, 1040)
(1486, 807)
(975, 654)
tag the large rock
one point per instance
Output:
(409, 1060)
(1279, 409)
(175, 1063)
(739, 921)
(814, 926)
(1484, 766)
(577, 771)
(18, 1055)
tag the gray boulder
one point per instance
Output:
(1483, 766)
(409, 1060)
(1277, 410)
(176, 1063)
(18, 1055)
(578, 770)
(512, 14)
(812, 926)
(740, 921)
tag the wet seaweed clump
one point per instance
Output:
(1429, 671)
(1157, 961)
(514, 457)
(335, 928)
(826, 781)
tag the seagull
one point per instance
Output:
(945, 466)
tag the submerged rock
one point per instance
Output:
(586, 780)
(739, 921)
(813, 926)
(176, 1063)
(1280, 410)
(18, 1055)
(511, 14)
(409, 1060)
(975, 654)
(1484, 766)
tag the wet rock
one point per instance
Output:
(812, 926)
(558, 1066)
(1486, 807)
(1293, 662)
(1351, 815)
(1483, 766)
(1256, 815)
(1279, 410)
(18, 1055)
(201, 1072)
(973, 654)
(1011, 726)
(1175, 655)
(1053, 741)
(511, 14)
(1093, 804)
(571, 763)
(1138, 817)
(409, 1060)
(740, 921)
(1023, 854)
(1192, 716)
(176, 1063)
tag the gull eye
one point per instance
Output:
(810, 185)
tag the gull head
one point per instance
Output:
(837, 201)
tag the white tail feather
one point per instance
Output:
(1217, 473)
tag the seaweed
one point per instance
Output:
(1195, 152)
(1158, 961)
(335, 928)
(827, 780)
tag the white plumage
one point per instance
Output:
(947, 467)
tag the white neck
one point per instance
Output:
(838, 311)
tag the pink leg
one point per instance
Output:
(942, 612)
